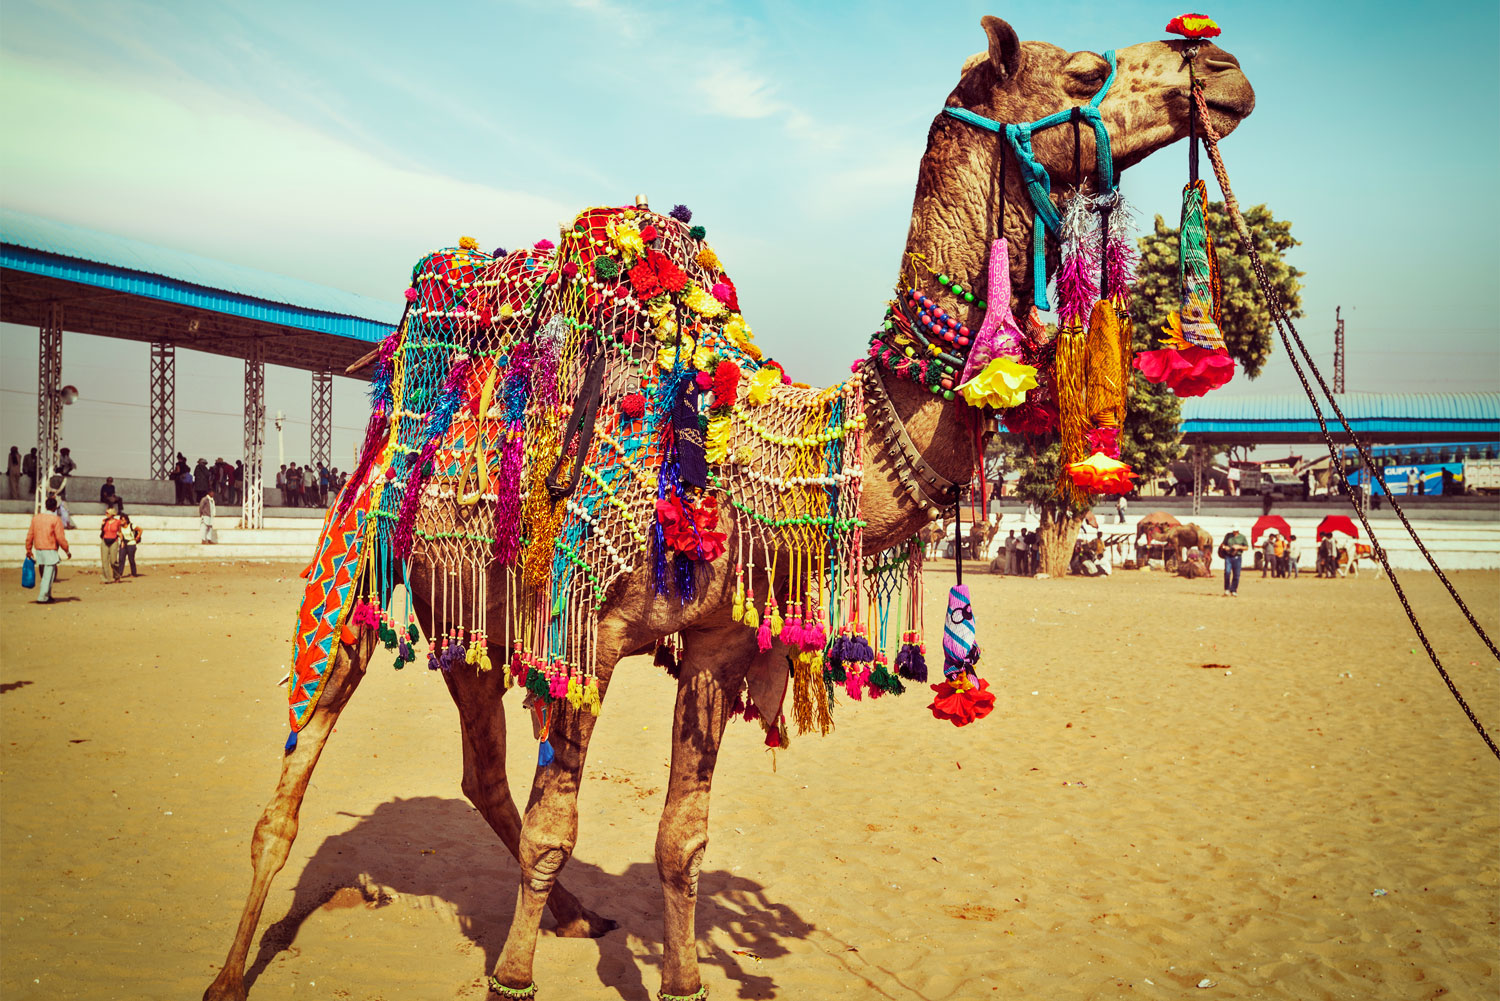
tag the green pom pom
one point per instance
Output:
(836, 671)
(411, 632)
(606, 267)
(697, 232)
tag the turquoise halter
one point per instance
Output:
(1038, 182)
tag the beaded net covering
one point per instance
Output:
(547, 421)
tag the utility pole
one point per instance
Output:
(1338, 350)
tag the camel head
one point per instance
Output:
(1147, 106)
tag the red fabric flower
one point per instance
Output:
(1188, 371)
(1031, 417)
(690, 531)
(725, 292)
(726, 383)
(672, 277)
(962, 707)
(643, 281)
(633, 406)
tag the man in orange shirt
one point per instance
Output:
(43, 541)
(109, 546)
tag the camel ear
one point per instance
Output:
(1005, 47)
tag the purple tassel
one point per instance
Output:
(857, 648)
(438, 420)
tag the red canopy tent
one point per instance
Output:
(1337, 523)
(1270, 521)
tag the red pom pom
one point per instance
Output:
(726, 383)
(725, 292)
(648, 233)
(633, 406)
(704, 380)
(570, 269)
(544, 245)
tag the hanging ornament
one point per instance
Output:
(962, 696)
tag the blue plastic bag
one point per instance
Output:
(28, 573)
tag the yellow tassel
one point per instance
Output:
(1072, 407)
(1106, 367)
(802, 710)
(484, 662)
(591, 696)
(752, 617)
(575, 693)
(821, 698)
(737, 610)
(720, 430)
(776, 620)
(471, 655)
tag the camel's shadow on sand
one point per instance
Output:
(468, 867)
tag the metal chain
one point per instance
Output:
(1288, 333)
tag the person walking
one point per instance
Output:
(1294, 556)
(130, 537)
(28, 469)
(44, 539)
(281, 485)
(1120, 506)
(1279, 548)
(1232, 551)
(206, 510)
(322, 485)
(109, 546)
(1268, 555)
(13, 472)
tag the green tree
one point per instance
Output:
(1151, 439)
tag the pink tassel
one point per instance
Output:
(557, 685)
(998, 334)
(763, 635)
(853, 684)
(1076, 291)
(791, 632)
(813, 637)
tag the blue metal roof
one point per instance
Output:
(1368, 413)
(43, 247)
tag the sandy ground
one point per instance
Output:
(1275, 793)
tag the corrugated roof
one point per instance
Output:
(41, 246)
(1356, 407)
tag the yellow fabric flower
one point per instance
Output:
(709, 260)
(737, 330)
(666, 355)
(720, 430)
(1002, 384)
(703, 358)
(761, 385)
(626, 236)
(659, 311)
(666, 330)
(701, 302)
(468, 243)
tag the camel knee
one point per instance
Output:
(679, 863)
(276, 833)
(542, 863)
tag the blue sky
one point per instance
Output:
(339, 141)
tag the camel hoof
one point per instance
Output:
(226, 989)
(587, 925)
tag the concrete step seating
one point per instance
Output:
(176, 538)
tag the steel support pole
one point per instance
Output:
(321, 451)
(48, 403)
(1197, 479)
(163, 409)
(253, 503)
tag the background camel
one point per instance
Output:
(954, 217)
(1180, 538)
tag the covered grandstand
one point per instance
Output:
(59, 277)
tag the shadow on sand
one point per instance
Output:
(441, 848)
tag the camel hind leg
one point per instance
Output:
(482, 722)
(277, 827)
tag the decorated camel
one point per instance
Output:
(578, 452)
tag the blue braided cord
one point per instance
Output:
(1034, 175)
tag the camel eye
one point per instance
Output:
(1086, 71)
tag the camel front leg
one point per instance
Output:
(714, 666)
(550, 829)
(277, 827)
(482, 721)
